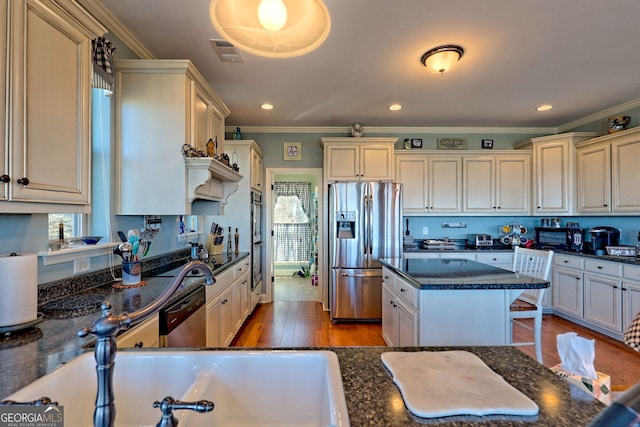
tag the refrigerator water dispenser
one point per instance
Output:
(346, 225)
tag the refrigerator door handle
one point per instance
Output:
(366, 235)
(370, 231)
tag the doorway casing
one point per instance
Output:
(268, 227)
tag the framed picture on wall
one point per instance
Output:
(487, 143)
(293, 150)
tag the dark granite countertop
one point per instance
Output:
(26, 356)
(631, 260)
(459, 274)
(373, 400)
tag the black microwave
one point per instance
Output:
(560, 238)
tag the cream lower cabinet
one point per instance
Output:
(399, 311)
(630, 294)
(603, 294)
(143, 335)
(358, 159)
(228, 304)
(48, 83)
(430, 184)
(567, 284)
(496, 184)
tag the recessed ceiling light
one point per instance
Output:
(544, 107)
(395, 107)
(266, 106)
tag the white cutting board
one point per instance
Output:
(446, 383)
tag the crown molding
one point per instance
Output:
(115, 27)
(369, 130)
(604, 114)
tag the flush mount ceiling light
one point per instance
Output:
(266, 106)
(395, 107)
(442, 58)
(544, 107)
(272, 28)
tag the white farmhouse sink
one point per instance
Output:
(248, 388)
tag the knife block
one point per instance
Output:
(216, 249)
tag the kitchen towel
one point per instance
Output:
(18, 289)
(446, 383)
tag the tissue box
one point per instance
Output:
(600, 388)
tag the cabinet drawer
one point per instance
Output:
(568, 261)
(603, 267)
(223, 280)
(495, 258)
(407, 292)
(389, 278)
(241, 268)
(144, 335)
(631, 272)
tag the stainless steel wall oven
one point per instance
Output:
(256, 239)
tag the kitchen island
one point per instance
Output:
(449, 301)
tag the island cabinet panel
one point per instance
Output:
(47, 77)
(399, 311)
(472, 317)
(446, 302)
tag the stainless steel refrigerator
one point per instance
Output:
(365, 221)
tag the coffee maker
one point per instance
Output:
(603, 236)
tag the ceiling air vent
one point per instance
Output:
(226, 51)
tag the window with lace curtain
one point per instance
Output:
(291, 228)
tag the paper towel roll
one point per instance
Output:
(18, 289)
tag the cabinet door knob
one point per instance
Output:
(5, 178)
(23, 181)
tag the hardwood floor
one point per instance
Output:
(305, 324)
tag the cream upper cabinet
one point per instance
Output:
(608, 175)
(625, 174)
(160, 106)
(209, 117)
(256, 169)
(554, 169)
(496, 184)
(594, 178)
(358, 159)
(49, 89)
(430, 183)
(4, 177)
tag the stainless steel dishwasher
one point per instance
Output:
(183, 323)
